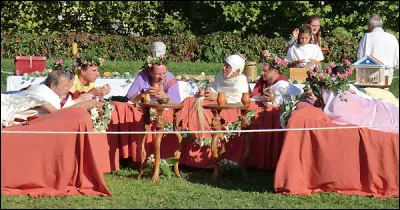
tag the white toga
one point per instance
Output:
(27, 103)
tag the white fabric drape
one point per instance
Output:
(359, 110)
(26, 103)
(282, 91)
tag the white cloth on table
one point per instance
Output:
(383, 46)
(307, 52)
(27, 103)
(233, 87)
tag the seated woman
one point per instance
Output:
(156, 80)
(273, 79)
(304, 54)
(37, 100)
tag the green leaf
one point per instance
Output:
(172, 160)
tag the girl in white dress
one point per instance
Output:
(304, 54)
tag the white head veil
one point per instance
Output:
(158, 49)
(236, 61)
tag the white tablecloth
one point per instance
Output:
(119, 87)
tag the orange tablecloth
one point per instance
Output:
(264, 147)
(349, 161)
(55, 164)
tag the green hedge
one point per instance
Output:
(209, 48)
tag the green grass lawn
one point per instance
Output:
(195, 190)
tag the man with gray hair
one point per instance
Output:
(381, 45)
(38, 100)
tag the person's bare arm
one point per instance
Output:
(86, 104)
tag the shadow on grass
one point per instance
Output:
(258, 180)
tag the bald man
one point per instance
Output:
(230, 80)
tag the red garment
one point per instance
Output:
(64, 100)
(261, 84)
(77, 93)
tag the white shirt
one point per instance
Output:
(382, 45)
(233, 87)
(27, 103)
(282, 91)
(307, 52)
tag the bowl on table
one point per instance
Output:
(162, 100)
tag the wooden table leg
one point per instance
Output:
(215, 125)
(177, 126)
(146, 119)
(157, 143)
(245, 125)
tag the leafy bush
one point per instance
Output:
(210, 48)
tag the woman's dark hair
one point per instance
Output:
(304, 29)
(312, 18)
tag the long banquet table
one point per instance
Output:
(264, 147)
(349, 161)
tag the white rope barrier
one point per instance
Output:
(188, 131)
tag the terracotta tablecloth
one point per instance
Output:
(264, 147)
(55, 164)
(348, 161)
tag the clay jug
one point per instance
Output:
(271, 94)
(245, 99)
(146, 98)
(221, 99)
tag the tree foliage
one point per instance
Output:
(194, 18)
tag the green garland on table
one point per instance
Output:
(102, 117)
(287, 108)
(206, 141)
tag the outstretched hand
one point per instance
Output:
(295, 33)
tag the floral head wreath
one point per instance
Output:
(162, 60)
(88, 60)
(59, 65)
(274, 61)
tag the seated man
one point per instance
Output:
(88, 67)
(37, 100)
(272, 78)
(230, 80)
(155, 73)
